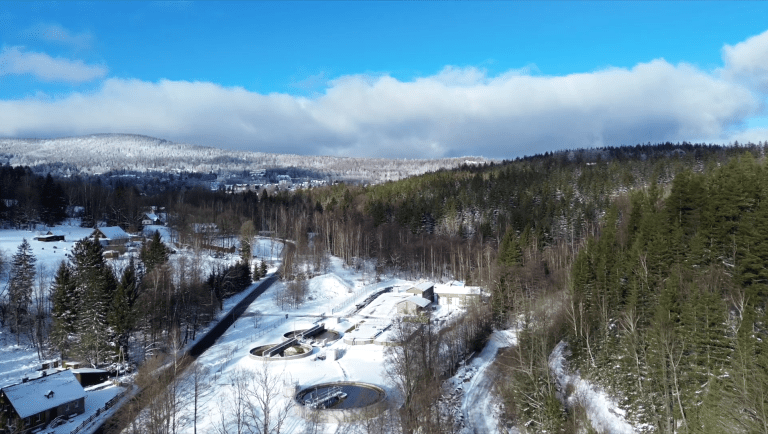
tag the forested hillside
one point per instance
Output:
(101, 153)
(668, 305)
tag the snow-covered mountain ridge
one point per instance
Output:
(101, 153)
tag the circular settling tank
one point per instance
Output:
(328, 335)
(340, 396)
(297, 351)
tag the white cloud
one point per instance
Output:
(16, 61)
(56, 33)
(748, 61)
(459, 111)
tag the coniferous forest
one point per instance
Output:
(648, 261)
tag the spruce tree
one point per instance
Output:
(122, 317)
(154, 253)
(95, 289)
(65, 306)
(20, 284)
(263, 268)
(510, 252)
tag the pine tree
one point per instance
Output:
(122, 316)
(154, 253)
(95, 289)
(65, 304)
(263, 268)
(20, 285)
(510, 252)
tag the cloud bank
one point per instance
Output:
(16, 61)
(459, 111)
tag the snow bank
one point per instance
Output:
(603, 412)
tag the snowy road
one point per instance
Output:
(479, 404)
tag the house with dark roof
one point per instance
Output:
(33, 404)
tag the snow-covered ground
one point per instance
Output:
(231, 352)
(602, 411)
(470, 394)
(265, 323)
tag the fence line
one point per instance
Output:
(354, 297)
(263, 330)
(100, 410)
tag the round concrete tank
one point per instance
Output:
(341, 401)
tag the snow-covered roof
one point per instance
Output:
(113, 232)
(424, 285)
(152, 216)
(89, 371)
(34, 396)
(459, 290)
(420, 301)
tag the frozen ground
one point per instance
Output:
(471, 389)
(602, 411)
(265, 323)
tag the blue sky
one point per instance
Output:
(391, 79)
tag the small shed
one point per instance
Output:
(90, 376)
(34, 403)
(424, 290)
(48, 237)
(412, 305)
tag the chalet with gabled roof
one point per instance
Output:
(111, 235)
(150, 218)
(33, 404)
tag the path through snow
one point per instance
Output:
(602, 412)
(479, 405)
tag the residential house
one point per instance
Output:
(150, 218)
(111, 236)
(32, 404)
